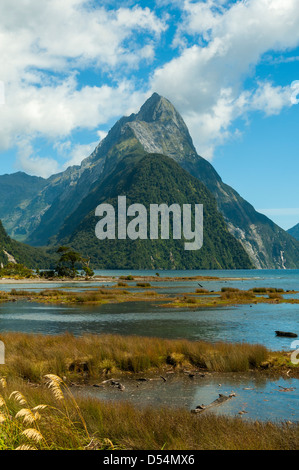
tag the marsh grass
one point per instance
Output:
(275, 296)
(237, 295)
(122, 284)
(95, 296)
(117, 294)
(230, 296)
(89, 356)
(39, 411)
(267, 290)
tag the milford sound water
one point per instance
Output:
(244, 323)
(255, 323)
(257, 397)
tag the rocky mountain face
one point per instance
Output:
(294, 231)
(16, 193)
(159, 129)
(12, 251)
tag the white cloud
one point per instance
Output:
(272, 100)
(212, 127)
(79, 152)
(42, 34)
(102, 134)
(33, 164)
(55, 111)
(2, 93)
(43, 46)
(228, 40)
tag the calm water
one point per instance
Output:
(232, 324)
(260, 398)
(253, 324)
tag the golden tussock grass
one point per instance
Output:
(32, 356)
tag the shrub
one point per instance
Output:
(191, 300)
(275, 296)
(230, 289)
(16, 270)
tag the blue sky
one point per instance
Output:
(231, 68)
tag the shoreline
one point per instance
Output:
(95, 279)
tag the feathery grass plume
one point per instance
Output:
(55, 383)
(33, 434)
(39, 408)
(2, 401)
(18, 397)
(37, 416)
(3, 382)
(28, 416)
(25, 447)
(3, 418)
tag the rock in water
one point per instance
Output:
(286, 334)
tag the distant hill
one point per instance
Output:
(153, 179)
(294, 231)
(16, 193)
(24, 254)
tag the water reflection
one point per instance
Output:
(258, 397)
(245, 323)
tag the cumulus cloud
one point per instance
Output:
(79, 152)
(222, 42)
(32, 163)
(42, 34)
(43, 48)
(56, 111)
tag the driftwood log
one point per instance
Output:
(286, 334)
(219, 401)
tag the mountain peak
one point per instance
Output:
(294, 231)
(160, 129)
(158, 108)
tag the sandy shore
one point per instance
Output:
(101, 279)
(51, 281)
